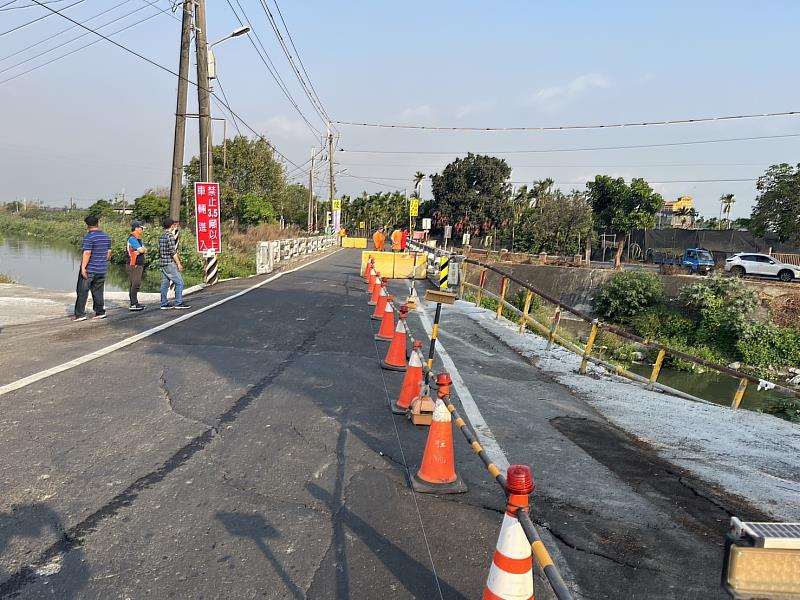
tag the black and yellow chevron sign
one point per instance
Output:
(444, 267)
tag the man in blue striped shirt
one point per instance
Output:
(94, 267)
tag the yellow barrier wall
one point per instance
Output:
(352, 242)
(404, 265)
(394, 265)
(384, 262)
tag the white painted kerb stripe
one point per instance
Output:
(485, 435)
(26, 381)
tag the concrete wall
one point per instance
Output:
(577, 286)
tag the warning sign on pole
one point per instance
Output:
(337, 205)
(207, 219)
(413, 207)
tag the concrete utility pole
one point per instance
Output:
(180, 114)
(203, 94)
(335, 216)
(310, 219)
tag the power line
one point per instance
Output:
(270, 65)
(318, 109)
(62, 44)
(588, 149)
(167, 70)
(583, 182)
(224, 95)
(36, 20)
(790, 113)
(300, 60)
(391, 187)
(4, 9)
(73, 51)
(70, 28)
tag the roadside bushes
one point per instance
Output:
(766, 345)
(627, 294)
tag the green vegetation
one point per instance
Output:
(778, 203)
(627, 294)
(712, 320)
(69, 228)
(784, 408)
(623, 207)
(5, 278)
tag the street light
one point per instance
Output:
(212, 74)
(212, 62)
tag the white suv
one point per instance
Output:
(760, 264)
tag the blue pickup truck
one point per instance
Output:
(694, 260)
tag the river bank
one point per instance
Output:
(66, 230)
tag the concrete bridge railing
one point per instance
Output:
(270, 254)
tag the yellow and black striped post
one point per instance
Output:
(444, 269)
(434, 334)
(587, 352)
(211, 265)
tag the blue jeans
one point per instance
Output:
(171, 273)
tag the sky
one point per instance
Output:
(99, 121)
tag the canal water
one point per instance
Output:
(53, 266)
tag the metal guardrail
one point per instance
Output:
(585, 352)
(270, 254)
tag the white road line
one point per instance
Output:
(485, 435)
(26, 381)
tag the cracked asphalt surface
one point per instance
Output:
(250, 452)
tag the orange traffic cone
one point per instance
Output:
(374, 275)
(437, 474)
(380, 307)
(511, 573)
(368, 269)
(396, 356)
(386, 331)
(376, 290)
(412, 382)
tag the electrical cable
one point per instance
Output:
(300, 60)
(55, 35)
(4, 9)
(789, 113)
(165, 69)
(36, 20)
(83, 35)
(319, 110)
(267, 62)
(227, 102)
(589, 149)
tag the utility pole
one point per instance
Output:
(310, 219)
(180, 114)
(203, 94)
(335, 217)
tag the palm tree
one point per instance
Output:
(726, 204)
(682, 213)
(693, 214)
(418, 177)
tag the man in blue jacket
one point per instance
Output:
(135, 266)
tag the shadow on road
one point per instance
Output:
(256, 528)
(64, 568)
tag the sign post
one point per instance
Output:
(336, 207)
(207, 226)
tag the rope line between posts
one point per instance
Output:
(743, 377)
(538, 548)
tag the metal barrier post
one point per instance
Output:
(657, 366)
(434, 334)
(588, 349)
(481, 283)
(554, 327)
(462, 276)
(503, 288)
(523, 321)
(737, 397)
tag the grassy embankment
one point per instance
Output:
(237, 260)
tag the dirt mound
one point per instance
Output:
(786, 310)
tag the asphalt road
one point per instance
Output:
(250, 452)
